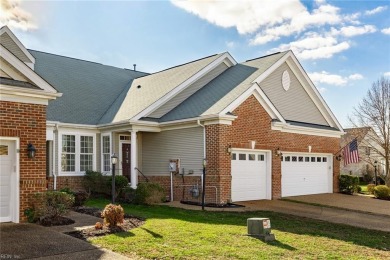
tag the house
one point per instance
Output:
(368, 154)
(262, 126)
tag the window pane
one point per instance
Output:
(242, 156)
(324, 159)
(313, 159)
(3, 149)
(68, 143)
(318, 159)
(106, 144)
(106, 162)
(307, 159)
(234, 156)
(68, 162)
(86, 162)
(86, 144)
(300, 158)
(261, 157)
(252, 157)
(293, 158)
(287, 158)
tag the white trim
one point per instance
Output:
(26, 70)
(134, 160)
(15, 210)
(153, 107)
(23, 99)
(272, 68)
(5, 29)
(77, 135)
(268, 161)
(256, 91)
(101, 151)
(288, 128)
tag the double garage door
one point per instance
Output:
(302, 174)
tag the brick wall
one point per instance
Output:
(254, 124)
(75, 183)
(28, 122)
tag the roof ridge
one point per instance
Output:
(185, 64)
(63, 56)
(265, 56)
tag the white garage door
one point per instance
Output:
(7, 198)
(249, 175)
(304, 174)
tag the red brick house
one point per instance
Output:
(24, 96)
(262, 125)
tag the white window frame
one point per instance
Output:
(110, 152)
(77, 135)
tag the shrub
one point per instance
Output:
(348, 184)
(149, 193)
(120, 183)
(49, 204)
(359, 189)
(370, 188)
(79, 196)
(382, 192)
(113, 215)
(127, 194)
(95, 182)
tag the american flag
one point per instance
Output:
(351, 153)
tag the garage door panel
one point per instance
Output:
(248, 176)
(305, 176)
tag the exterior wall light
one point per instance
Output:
(31, 150)
(278, 152)
(339, 157)
(229, 149)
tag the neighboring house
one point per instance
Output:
(262, 125)
(367, 153)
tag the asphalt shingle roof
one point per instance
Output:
(89, 89)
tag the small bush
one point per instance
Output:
(120, 183)
(50, 204)
(370, 188)
(127, 194)
(79, 196)
(149, 193)
(113, 215)
(95, 182)
(382, 192)
(359, 189)
(349, 184)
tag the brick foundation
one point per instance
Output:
(75, 183)
(28, 123)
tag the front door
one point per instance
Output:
(7, 180)
(126, 161)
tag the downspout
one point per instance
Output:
(54, 152)
(204, 146)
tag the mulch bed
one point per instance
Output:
(57, 221)
(129, 223)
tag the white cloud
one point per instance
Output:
(230, 44)
(246, 16)
(322, 90)
(15, 17)
(376, 10)
(349, 31)
(314, 46)
(386, 74)
(333, 79)
(355, 76)
(386, 30)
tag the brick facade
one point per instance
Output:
(254, 124)
(28, 123)
(73, 182)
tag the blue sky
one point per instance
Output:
(344, 46)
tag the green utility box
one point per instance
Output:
(261, 228)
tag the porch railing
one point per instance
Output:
(146, 178)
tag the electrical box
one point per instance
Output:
(174, 165)
(261, 228)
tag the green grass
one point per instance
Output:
(171, 233)
(364, 188)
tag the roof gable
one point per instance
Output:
(148, 93)
(13, 45)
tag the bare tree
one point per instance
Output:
(374, 112)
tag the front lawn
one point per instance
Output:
(171, 233)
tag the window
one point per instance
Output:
(234, 156)
(106, 153)
(313, 159)
(324, 159)
(318, 159)
(68, 155)
(124, 137)
(261, 157)
(77, 153)
(287, 158)
(86, 153)
(252, 157)
(242, 156)
(307, 159)
(293, 158)
(300, 158)
(3, 149)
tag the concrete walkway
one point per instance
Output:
(351, 210)
(31, 241)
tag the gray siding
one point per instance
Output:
(294, 104)
(188, 91)
(184, 144)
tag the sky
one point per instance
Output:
(344, 46)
